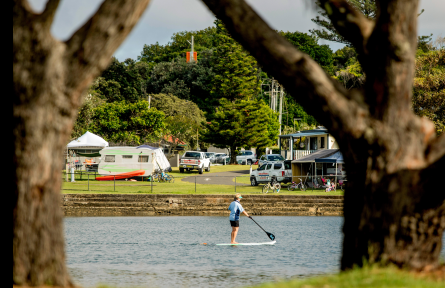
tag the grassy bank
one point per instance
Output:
(366, 277)
(179, 186)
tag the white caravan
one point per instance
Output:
(120, 159)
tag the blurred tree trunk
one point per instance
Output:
(49, 78)
(394, 209)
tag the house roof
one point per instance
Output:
(313, 132)
(321, 154)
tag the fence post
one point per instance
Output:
(151, 181)
(114, 177)
(235, 184)
(80, 174)
(88, 182)
(195, 184)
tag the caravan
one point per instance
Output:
(116, 160)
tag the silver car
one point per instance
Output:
(211, 156)
(271, 158)
(246, 157)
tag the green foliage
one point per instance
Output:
(234, 68)
(131, 123)
(423, 43)
(183, 119)
(352, 76)
(362, 277)
(178, 46)
(308, 44)
(344, 57)
(242, 123)
(123, 80)
(188, 81)
(429, 88)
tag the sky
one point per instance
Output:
(165, 17)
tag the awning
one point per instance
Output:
(334, 158)
(147, 146)
(307, 133)
(317, 155)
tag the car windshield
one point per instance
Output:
(275, 158)
(210, 154)
(192, 154)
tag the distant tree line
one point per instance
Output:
(225, 77)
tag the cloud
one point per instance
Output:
(165, 17)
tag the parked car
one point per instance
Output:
(270, 158)
(248, 157)
(280, 171)
(194, 160)
(211, 156)
(222, 158)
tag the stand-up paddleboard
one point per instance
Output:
(250, 244)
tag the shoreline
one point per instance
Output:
(198, 205)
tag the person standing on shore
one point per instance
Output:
(235, 211)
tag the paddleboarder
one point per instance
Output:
(235, 210)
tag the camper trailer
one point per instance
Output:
(115, 160)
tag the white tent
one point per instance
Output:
(89, 140)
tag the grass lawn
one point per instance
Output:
(178, 187)
(366, 277)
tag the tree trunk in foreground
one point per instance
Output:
(49, 78)
(394, 206)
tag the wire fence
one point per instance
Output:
(192, 183)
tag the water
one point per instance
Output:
(166, 251)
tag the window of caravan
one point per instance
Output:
(110, 158)
(127, 156)
(143, 159)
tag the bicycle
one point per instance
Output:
(161, 176)
(294, 186)
(272, 185)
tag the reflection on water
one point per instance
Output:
(166, 251)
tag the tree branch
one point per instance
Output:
(90, 48)
(436, 149)
(349, 22)
(47, 16)
(294, 69)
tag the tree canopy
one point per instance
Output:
(242, 123)
(235, 70)
(125, 122)
(429, 88)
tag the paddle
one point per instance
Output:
(271, 236)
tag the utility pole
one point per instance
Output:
(192, 54)
(280, 117)
(197, 140)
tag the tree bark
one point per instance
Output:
(393, 209)
(49, 78)
(232, 154)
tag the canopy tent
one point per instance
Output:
(89, 140)
(161, 160)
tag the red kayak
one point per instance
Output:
(121, 175)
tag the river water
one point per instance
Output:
(168, 251)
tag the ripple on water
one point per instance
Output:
(166, 251)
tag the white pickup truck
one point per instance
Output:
(194, 160)
(280, 171)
